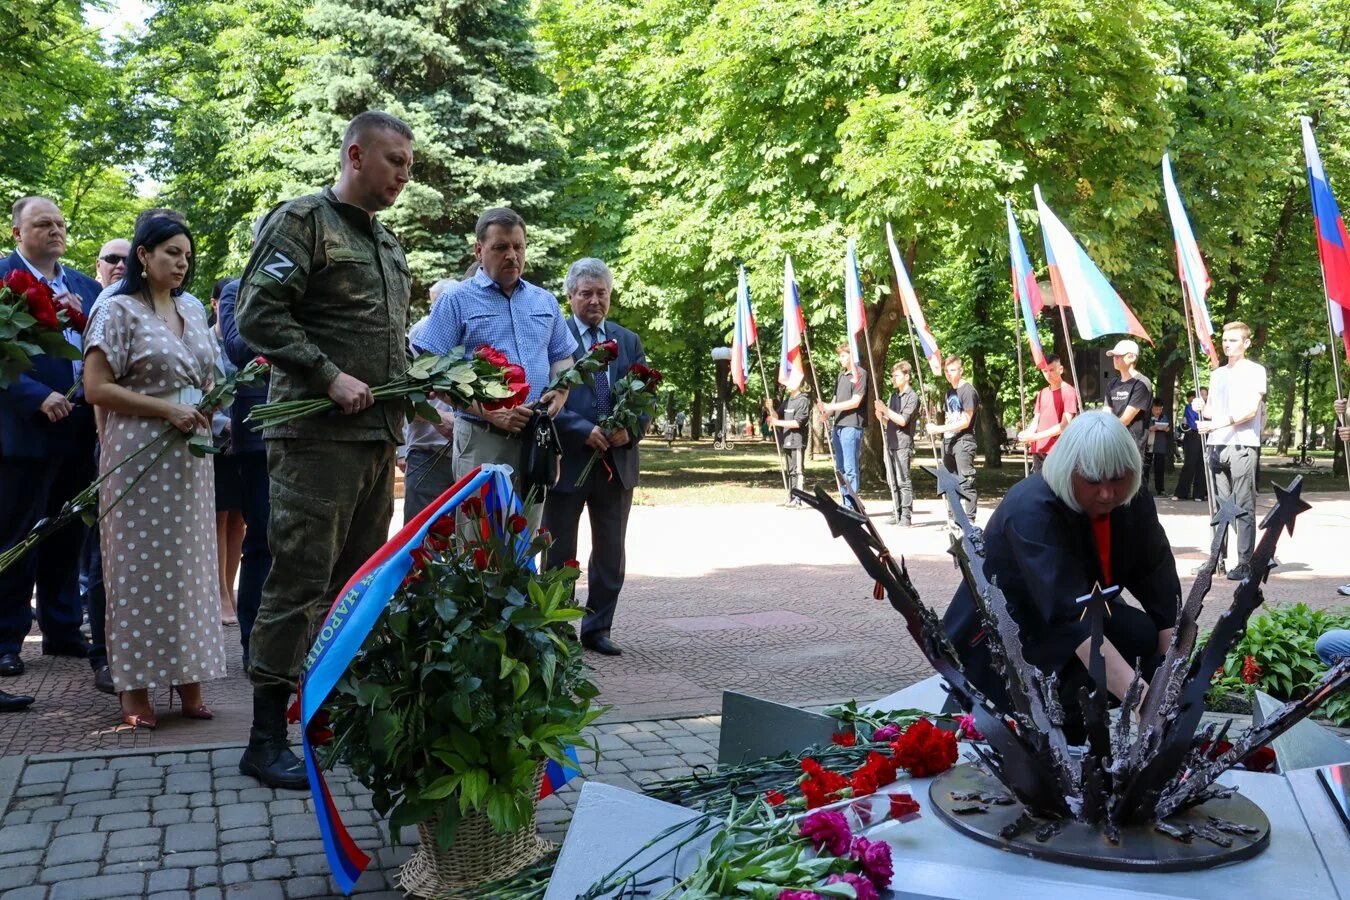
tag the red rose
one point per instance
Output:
(903, 807)
(775, 798)
(444, 526)
(606, 351)
(843, 739)
(572, 564)
(924, 749)
(20, 280)
(515, 379)
(437, 543)
(75, 317)
(420, 557)
(293, 711)
(472, 507)
(261, 361)
(480, 558)
(40, 306)
(318, 732)
(489, 354)
(517, 523)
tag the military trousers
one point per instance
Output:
(331, 502)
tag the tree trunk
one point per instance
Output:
(989, 430)
(1287, 417)
(696, 414)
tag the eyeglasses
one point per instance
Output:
(113, 259)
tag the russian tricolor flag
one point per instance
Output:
(855, 315)
(1191, 269)
(1025, 289)
(910, 303)
(743, 335)
(1333, 245)
(1077, 281)
(791, 370)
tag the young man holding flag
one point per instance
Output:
(958, 431)
(901, 415)
(1056, 405)
(791, 418)
(1233, 419)
(850, 416)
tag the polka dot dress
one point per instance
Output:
(159, 541)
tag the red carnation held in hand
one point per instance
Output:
(924, 749)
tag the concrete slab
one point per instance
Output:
(753, 728)
(1305, 746)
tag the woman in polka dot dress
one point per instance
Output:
(149, 356)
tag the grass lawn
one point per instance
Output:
(690, 472)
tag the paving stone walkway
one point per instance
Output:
(180, 824)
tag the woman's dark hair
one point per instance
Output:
(219, 287)
(150, 235)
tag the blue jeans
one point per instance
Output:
(847, 445)
(1334, 645)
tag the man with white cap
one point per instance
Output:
(1233, 420)
(1129, 395)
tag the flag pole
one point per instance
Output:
(1189, 314)
(815, 381)
(777, 444)
(1068, 344)
(923, 390)
(1335, 361)
(1022, 385)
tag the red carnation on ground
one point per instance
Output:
(903, 807)
(843, 739)
(775, 798)
(924, 749)
(881, 769)
(820, 784)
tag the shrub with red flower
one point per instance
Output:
(32, 323)
(1251, 670)
(925, 750)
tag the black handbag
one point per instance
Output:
(540, 453)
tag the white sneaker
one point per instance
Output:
(1344, 590)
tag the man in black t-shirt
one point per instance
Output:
(850, 417)
(1129, 395)
(791, 420)
(901, 415)
(958, 431)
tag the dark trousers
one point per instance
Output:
(95, 599)
(1127, 628)
(607, 503)
(796, 469)
(1234, 471)
(959, 459)
(31, 490)
(1191, 482)
(903, 496)
(256, 559)
(1159, 463)
(330, 506)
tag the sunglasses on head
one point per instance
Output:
(113, 259)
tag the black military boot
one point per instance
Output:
(268, 756)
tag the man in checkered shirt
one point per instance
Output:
(499, 308)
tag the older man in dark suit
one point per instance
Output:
(607, 493)
(46, 456)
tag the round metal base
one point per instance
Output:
(1141, 848)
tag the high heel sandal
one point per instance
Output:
(200, 711)
(140, 720)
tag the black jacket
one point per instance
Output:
(1044, 557)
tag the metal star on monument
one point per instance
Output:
(1227, 514)
(1288, 506)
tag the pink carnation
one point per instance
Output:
(828, 831)
(886, 733)
(861, 886)
(965, 727)
(875, 859)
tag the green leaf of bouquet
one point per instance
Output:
(428, 412)
(442, 787)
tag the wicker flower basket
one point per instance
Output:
(478, 854)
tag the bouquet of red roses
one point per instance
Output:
(32, 322)
(486, 379)
(634, 396)
(601, 354)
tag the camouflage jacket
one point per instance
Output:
(327, 290)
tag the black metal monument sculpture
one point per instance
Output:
(1138, 796)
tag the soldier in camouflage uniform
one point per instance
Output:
(325, 298)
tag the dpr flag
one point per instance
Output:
(1195, 283)
(1026, 291)
(743, 335)
(909, 301)
(791, 370)
(1077, 281)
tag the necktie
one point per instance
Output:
(604, 400)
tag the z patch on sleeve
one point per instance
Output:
(279, 266)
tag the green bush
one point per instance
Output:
(1282, 644)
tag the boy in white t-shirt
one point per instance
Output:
(1233, 421)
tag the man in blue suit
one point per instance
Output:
(46, 456)
(607, 493)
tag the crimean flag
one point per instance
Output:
(910, 302)
(791, 369)
(351, 619)
(1191, 269)
(855, 316)
(1333, 245)
(1025, 289)
(1077, 281)
(743, 335)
